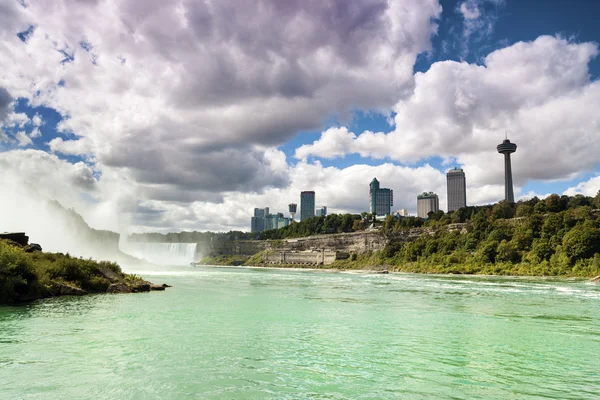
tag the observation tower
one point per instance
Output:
(507, 148)
(292, 208)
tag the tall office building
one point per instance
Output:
(321, 211)
(275, 221)
(381, 199)
(257, 222)
(457, 189)
(426, 203)
(507, 148)
(307, 205)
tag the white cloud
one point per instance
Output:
(23, 139)
(161, 91)
(35, 132)
(538, 91)
(334, 142)
(37, 120)
(16, 120)
(341, 189)
(587, 188)
(70, 147)
(479, 20)
(469, 10)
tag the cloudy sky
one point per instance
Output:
(151, 115)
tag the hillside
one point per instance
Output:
(559, 235)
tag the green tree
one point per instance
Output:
(583, 241)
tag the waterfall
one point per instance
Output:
(161, 253)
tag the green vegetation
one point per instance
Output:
(28, 276)
(559, 235)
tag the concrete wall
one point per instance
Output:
(300, 257)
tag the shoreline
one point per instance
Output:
(27, 274)
(379, 272)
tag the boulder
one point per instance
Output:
(62, 289)
(154, 286)
(30, 248)
(140, 287)
(118, 288)
(17, 237)
(109, 274)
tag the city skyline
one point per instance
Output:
(163, 118)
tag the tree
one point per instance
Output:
(583, 241)
(540, 208)
(553, 203)
(524, 210)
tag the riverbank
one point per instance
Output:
(27, 274)
(377, 262)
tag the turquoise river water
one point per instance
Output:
(239, 333)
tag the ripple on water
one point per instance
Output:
(240, 333)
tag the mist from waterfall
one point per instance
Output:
(160, 253)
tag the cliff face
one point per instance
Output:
(313, 250)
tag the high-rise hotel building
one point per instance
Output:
(457, 189)
(426, 203)
(382, 199)
(307, 205)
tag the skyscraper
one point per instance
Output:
(307, 205)
(381, 199)
(257, 222)
(457, 189)
(321, 211)
(507, 148)
(426, 203)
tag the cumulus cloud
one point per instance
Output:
(5, 103)
(69, 147)
(587, 188)
(173, 91)
(23, 139)
(334, 142)
(539, 92)
(341, 189)
(37, 120)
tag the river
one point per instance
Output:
(241, 333)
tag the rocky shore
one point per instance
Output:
(27, 273)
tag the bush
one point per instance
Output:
(27, 276)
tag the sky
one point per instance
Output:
(146, 115)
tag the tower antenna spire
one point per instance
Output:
(506, 135)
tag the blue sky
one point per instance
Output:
(191, 113)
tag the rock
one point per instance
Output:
(17, 237)
(154, 286)
(166, 286)
(140, 287)
(30, 248)
(596, 279)
(62, 289)
(118, 288)
(109, 274)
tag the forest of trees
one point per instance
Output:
(559, 235)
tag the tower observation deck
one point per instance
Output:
(507, 148)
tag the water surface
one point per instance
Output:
(236, 333)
